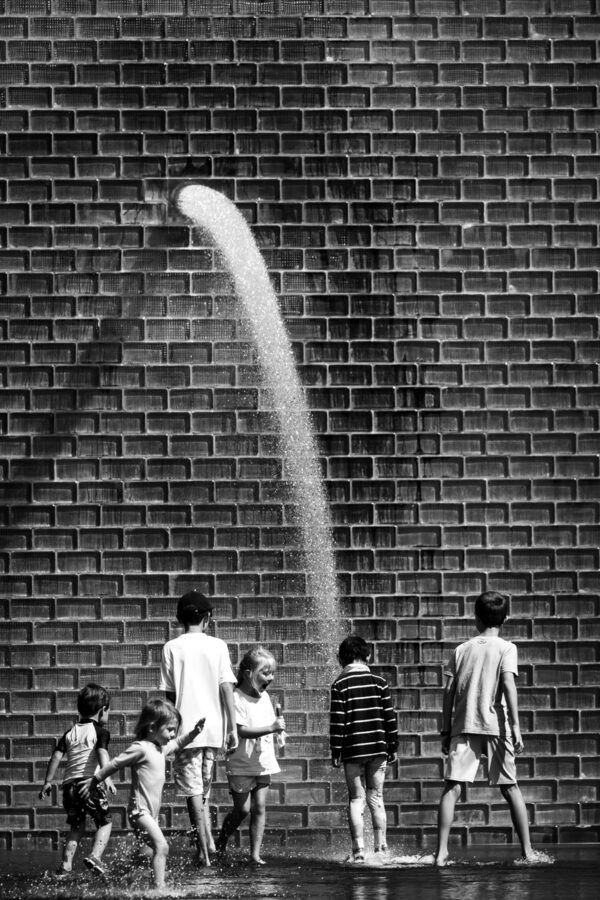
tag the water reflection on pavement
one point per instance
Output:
(571, 873)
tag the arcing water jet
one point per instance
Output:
(233, 238)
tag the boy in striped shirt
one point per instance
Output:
(364, 737)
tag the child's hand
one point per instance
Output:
(278, 724)
(446, 738)
(198, 726)
(392, 757)
(47, 787)
(85, 787)
(232, 741)
(110, 785)
(336, 760)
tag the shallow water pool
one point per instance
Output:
(487, 873)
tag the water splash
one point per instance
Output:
(231, 234)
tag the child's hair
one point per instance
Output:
(154, 714)
(491, 608)
(90, 699)
(251, 660)
(193, 607)
(353, 648)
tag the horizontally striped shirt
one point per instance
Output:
(362, 717)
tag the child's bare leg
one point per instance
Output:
(208, 826)
(195, 807)
(257, 821)
(233, 820)
(161, 848)
(356, 807)
(101, 840)
(447, 805)
(518, 813)
(72, 841)
(375, 777)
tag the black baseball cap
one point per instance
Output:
(192, 608)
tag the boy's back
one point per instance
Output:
(477, 667)
(80, 744)
(363, 721)
(193, 667)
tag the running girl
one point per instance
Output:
(154, 740)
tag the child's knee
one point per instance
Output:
(161, 848)
(358, 803)
(374, 798)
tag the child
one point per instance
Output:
(479, 713)
(364, 737)
(188, 661)
(250, 766)
(85, 747)
(154, 740)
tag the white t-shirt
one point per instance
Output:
(477, 667)
(193, 667)
(253, 756)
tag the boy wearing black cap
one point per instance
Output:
(197, 677)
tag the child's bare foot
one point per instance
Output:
(440, 860)
(533, 857)
(257, 861)
(63, 872)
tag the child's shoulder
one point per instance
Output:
(358, 675)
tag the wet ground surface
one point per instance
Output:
(488, 873)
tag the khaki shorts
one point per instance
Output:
(193, 770)
(465, 755)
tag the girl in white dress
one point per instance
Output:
(250, 766)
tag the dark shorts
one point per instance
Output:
(96, 805)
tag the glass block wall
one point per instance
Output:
(421, 177)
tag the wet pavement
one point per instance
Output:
(488, 873)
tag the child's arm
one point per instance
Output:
(179, 743)
(336, 727)
(390, 723)
(129, 757)
(447, 707)
(510, 692)
(278, 724)
(226, 695)
(104, 759)
(53, 764)
(191, 735)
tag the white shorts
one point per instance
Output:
(193, 770)
(465, 755)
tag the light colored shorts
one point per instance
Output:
(368, 773)
(243, 784)
(465, 755)
(193, 770)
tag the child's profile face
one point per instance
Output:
(163, 733)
